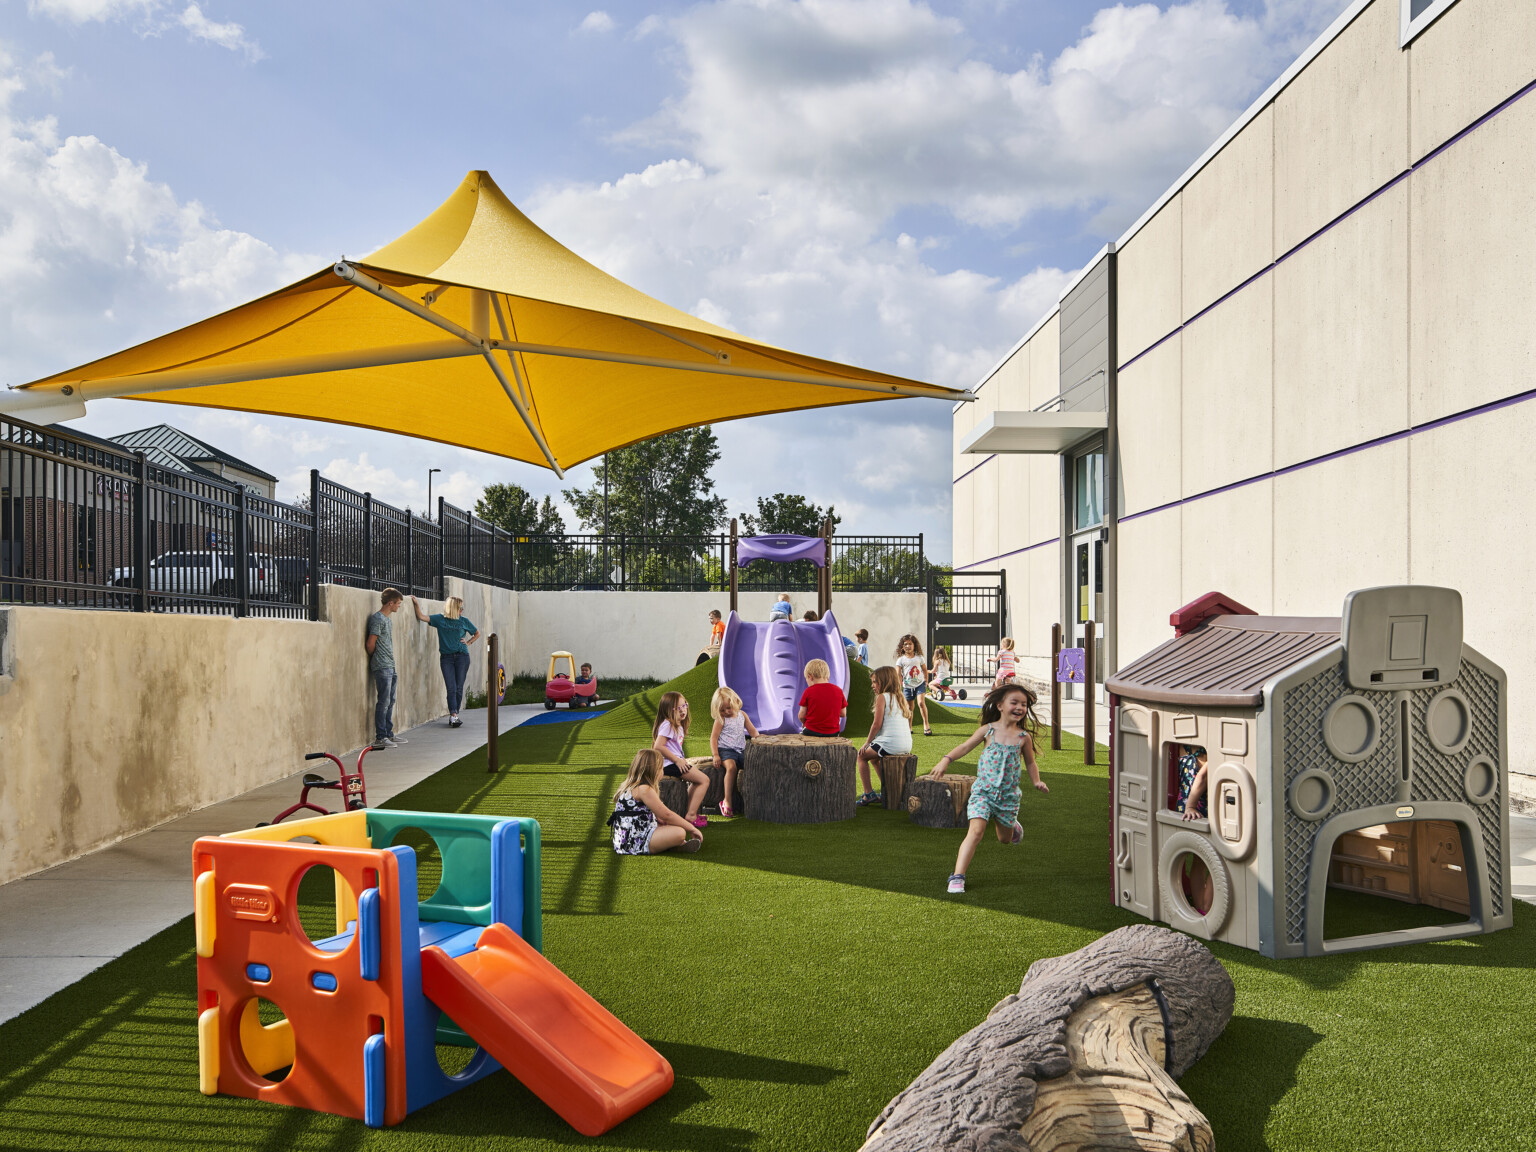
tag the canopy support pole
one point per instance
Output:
(484, 346)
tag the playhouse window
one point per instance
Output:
(1418, 15)
(1183, 764)
(1391, 877)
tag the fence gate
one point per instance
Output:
(967, 614)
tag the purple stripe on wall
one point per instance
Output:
(963, 475)
(1005, 555)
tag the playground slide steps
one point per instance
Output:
(543, 1028)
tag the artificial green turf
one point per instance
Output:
(798, 977)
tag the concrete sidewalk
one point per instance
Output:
(64, 922)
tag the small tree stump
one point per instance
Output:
(939, 803)
(896, 776)
(716, 793)
(674, 794)
(793, 779)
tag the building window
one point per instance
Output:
(85, 539)
(1087, 490)
(1419, 15)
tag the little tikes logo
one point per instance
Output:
(251, 901)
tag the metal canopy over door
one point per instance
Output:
(967, 614)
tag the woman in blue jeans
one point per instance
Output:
(455, 633)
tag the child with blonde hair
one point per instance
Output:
(1006, 661)
(1007, 728)
(642, 825)
(668, 734)
(822, 705)
(782, 609)
(890, 731)
(728, 740)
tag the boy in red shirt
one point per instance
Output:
(822, 704)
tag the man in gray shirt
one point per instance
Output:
(381, 666)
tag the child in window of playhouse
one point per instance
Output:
(1007, 727)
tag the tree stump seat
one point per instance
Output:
(939, 803)
(896, 775)
(795, 779)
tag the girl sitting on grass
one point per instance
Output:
(642, 825)
(668, 734)
(890, 732)
(1007, 726)
(728, 740)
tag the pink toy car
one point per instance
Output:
(562, 688)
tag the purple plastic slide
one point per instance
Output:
(764, 664)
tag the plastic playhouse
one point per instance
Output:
(1366, 754)
(561, 687)
(365, 1008)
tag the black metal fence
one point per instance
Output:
(83, 525)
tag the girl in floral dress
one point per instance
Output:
(642, 825)
(1007, 727)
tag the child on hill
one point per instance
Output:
(728, 741)
(822, 704)
(782, 608)
(1006, 661)
(716, 630)
(862, 636)
(914, 676)
(890, 732)
(642, 825)
(1007, 727)
(669, 732)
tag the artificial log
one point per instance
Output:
(1082, 1057)
(896, 776)
(939, 803)
(716, 793)
(793, 779)
(674, 794)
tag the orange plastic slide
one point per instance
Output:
(573, 1053)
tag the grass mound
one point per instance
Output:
(798, 977)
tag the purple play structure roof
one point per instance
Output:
(781, 547)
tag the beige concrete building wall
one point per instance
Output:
(113, 722)
(1152, 433)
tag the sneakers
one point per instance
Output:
(699, 822)
(398, 740)
(455, 722)
(867, 799)
(1018, 833)
(956, 882)
(380, 745)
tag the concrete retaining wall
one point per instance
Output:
(659, 634)
(111, 723)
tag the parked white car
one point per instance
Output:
(205, 574)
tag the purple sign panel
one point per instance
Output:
(1071, 666)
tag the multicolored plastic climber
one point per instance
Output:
(365, 1008)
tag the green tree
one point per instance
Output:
(658, 487)
(784, 512)
(512, 508)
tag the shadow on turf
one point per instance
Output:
(500, 1107)
(1248, 1070)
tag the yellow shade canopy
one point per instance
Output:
(475, 328)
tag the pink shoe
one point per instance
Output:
(700, 822)
(726, 810)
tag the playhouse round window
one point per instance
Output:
(1312, 795)
(1448, 722)
(1195, 883)
(1481, 780)
(1351, 728)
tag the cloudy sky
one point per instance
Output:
(902, 185)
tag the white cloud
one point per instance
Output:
(229, 35)
(153, 17)
(598, 21)
(94, 254)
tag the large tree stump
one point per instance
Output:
(1082, 1057)
(794, 779)
(939, 803)
(896, 776)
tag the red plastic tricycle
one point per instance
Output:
(353, 789)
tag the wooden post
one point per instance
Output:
(492, 719)
(1090, 694)
(733, 563)
(824, 600)
(1055, 688)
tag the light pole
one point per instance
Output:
(429, 490)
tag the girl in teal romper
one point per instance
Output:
(1007, 727)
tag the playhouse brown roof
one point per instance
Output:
(1226, 661)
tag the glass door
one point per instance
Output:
(1087, 554)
